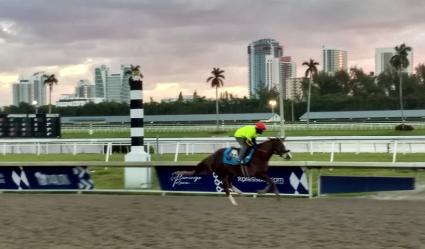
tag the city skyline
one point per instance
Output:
(177, 43)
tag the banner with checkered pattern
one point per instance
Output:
(64, 177)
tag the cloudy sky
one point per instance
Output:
(178, 42)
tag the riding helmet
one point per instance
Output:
(260, 126)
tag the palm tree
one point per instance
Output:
(216, 81)
(309, 73)
(50, 81)
(399, 61)
(134, 72)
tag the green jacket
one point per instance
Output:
(248, 132)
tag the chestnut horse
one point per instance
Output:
(258, 166)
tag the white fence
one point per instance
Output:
(177, 146)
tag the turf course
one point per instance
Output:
(288, 133)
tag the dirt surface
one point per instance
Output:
(65, 221)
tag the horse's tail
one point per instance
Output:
(204, 166)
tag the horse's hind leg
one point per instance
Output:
(270, 184)
(232, 187)
(236, 190)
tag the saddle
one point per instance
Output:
(231, 156)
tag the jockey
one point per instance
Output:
(246, 136)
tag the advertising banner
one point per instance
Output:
(353, 184)
(289, 180)
(63, 177)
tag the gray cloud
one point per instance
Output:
(180, 41)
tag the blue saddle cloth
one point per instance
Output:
(230, 156)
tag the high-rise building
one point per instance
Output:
(112, 86)
(100, 77)
(288, 70)
(383, 57)
(84, 89)
(294, 90)
(23, 92)
(84, 94)
(39, 87)
(334, 60)
(30, 89)
(263, 64)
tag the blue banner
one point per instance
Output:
(289, 180)
(353, 184)
(36, 177)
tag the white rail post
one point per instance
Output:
(4, 149)
(332, 151)
(74, 149)
(187, 149)
(177, 152)
(358, 147)
(310, 182)
(108, 151)
(394, 151)
(311, 147)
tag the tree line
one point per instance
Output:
(344, 90)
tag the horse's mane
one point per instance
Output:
(270, 140)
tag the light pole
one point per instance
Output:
(282, 108)
(35, 104)
(272, 103)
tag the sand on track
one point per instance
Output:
(65, 221)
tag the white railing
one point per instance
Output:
(82, 128)
(177, 146)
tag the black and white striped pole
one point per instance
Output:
(137, 177)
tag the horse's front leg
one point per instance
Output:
(226, 185)
(270, 184)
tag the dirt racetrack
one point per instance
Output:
(65, 221)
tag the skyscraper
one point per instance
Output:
(263, 64)
(112, 86)
(383, 57)
(23, 92)
(84, 89)
(288, 70)
(334, 60)
(38, 79)
(100, 77)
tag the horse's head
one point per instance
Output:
(280, 148)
